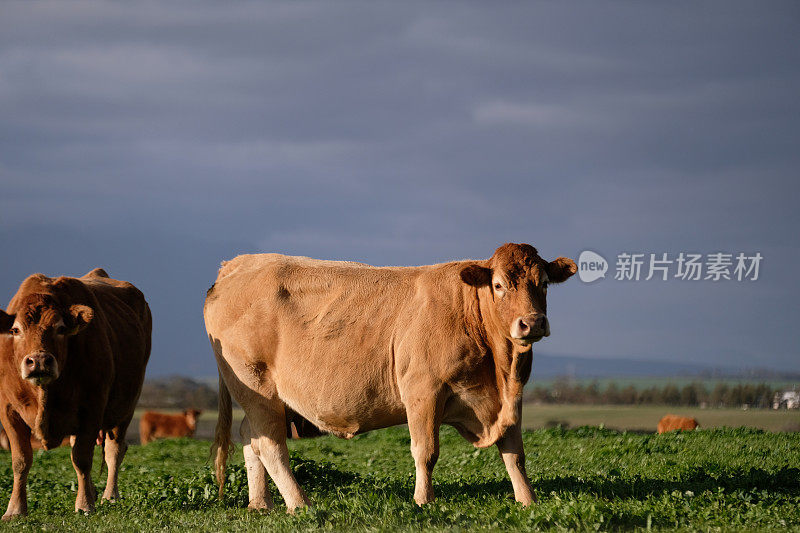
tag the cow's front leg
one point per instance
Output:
(424, 432)
(513, 454)
(82, 451)
(19, 438)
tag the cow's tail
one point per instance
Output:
(222, 434)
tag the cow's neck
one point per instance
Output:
(512, 367)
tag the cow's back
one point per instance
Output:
(321, 332)
(675, 422)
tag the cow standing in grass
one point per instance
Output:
(351, 348)
(154, 425)
(73, 353)
(675, 422)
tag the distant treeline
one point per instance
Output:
(177, 393)
(183, 393)
(693, 394)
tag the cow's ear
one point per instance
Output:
(6, 321)
(560, 269)
(79, 317)
(476, 275)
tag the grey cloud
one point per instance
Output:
(413, 133)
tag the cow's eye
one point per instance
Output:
(15, 330)
(498, 287)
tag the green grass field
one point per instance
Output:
(586, 479)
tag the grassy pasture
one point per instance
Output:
(586, 479)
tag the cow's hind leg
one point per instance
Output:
(82, 451)
(513, 454)
(115, 448)
(258, 493)
(268, 442)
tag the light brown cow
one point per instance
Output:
(675, 422)
(154, 425)
(72, 360)
(351, 348)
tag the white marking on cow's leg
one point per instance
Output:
(114, 453)
(258, 493)
(82, 452)
(269, 442)
(513, 454)
(19, 438)
(424, 448)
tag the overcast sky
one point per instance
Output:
(156, 139)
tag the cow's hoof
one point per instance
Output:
(111, 496)
(12, 516)
(85, 508)
(259, 506)
(297, 508)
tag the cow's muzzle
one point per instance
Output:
(530, 328)
(39, 368)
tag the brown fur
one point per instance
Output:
(97, 330)
(351, 348)
(154, 425)
(675, 422)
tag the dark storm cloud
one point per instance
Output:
(161, 138)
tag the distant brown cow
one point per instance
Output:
(675, 422)
(154, 425)
(73, 353)
(352, 348)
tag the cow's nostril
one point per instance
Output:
(29, 362)
(524, 327)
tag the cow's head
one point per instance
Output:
(40, 332)
(192, 415)
(515, 281)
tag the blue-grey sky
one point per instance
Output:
(156, 139)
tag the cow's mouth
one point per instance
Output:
(40, 378)
(530, 339)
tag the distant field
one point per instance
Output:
(636, 418)
(679, 381)
(645, 418)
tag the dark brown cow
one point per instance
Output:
(675, 422)
(72, 361)
(154, 425)
(351, 348)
